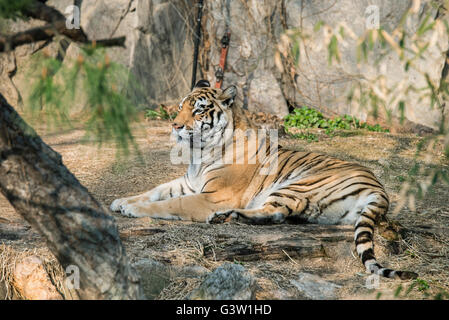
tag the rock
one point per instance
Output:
(265, 95)
(315, 288)
(104, 19)
(159, 46)
(155, 275)
(323, 85)
(191, 271)
(256, 28)
(282, 294)
(227, 282)
(32, 281)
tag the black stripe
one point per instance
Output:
(344, 197)
(364, 224)
(315, 163)
(367, 255)
(274, 204)
(211, 179)
(339, 166)
(261, 186)
(362, 241)
(286, 160)
(359, 182)
(211, 115)
(374, 204)
(215, 202)
(262, 143)
(293, 187)
(387, 272)
(384, 196)
(196, 111)
(368, 217)
(316, 181)
(221, 167)
(344, 215)
(182, 190)
(283, 195)
(343, 181)
(187, 184)
(304, 156)
(364, 234)
(312, 163)
(303, 161)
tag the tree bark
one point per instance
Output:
(77, 228)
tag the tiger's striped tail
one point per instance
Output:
(363, 237)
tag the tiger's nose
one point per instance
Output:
(177, 126)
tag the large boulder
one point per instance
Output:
(159, 44)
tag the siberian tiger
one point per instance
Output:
(305, 187)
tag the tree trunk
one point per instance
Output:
(77, 228)
(285, 242)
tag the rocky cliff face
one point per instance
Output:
(159, 51)
(257, 26)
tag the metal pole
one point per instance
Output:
(197, 41)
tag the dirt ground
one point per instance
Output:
(423, 248)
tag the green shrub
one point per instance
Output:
(307, 118)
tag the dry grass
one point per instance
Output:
(179, 289)
(423, 247)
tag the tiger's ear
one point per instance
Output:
(202, 84)
(228, 95)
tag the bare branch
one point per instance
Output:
(41, 11)
(56, 26)
(47, 33)
(112, 42)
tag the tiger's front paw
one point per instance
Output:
(117, 205)
(222, 217)
(130, 211)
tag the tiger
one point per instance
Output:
(306, 187)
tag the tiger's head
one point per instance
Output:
(205, 114)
